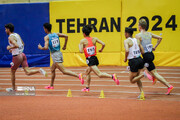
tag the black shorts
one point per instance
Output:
(136, 64)
(148, 58)
(92, 61)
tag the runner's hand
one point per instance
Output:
(64, 48)
(39, 46)
(8, 47)
(100, 50)
(153, 49)
(125, 60)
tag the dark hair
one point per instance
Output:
(48, 26)
(10, 26)
(87, 29)
(129, 30)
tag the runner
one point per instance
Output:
(52, 41)
(133, 50)
(16, 47)
(88, 46)
(148, 56)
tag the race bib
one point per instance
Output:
(55, 42)
(137, 52)
(149, 47)
(91, 50)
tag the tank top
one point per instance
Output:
(90, 50)
(134, 51)
(17, 51)
(146, 41)
(54, 43)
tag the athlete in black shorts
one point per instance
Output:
(133, 50)
(88, 46)
(148, 56)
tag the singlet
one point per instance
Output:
(146, 41)
(90, 50)
(134, 51)
(17, 51)
(54, 43)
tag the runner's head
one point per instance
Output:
(47, 27)
(142, 24)
(128, 32)
(87, 30)
(9, 28)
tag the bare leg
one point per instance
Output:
(99, 73)
(134, 76)
(28, 71)
(139, 83)
(61, 67)
(53, 74)
(13, 78)
(160, 78)
(88, 77)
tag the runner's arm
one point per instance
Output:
(46, 44)
(126, 46)
(66, 39)
(81, 46)
(159, 39)
(140, 46)
(12, 41)
(102, 43)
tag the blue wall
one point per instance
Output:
(28, 20)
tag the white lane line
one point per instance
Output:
(130, 92)
(70, 80)
(40, 76)
(167, 73)
(128, 86)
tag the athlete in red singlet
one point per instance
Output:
(88, 45)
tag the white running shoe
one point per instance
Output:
(10, 90)
(42, 71)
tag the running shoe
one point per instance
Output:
(114, 76)
(154, 80)
(81, 78)
(147, 75)
(85, 90)
(10, 90)
(43, 72)
(49, 87)
(169, 90)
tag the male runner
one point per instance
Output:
(133, 50)
(16, 47)
(52, 41)
(88, 45)
(148, 56)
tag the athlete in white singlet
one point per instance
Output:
(133, 50)
(16, 47)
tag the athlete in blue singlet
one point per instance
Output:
(52, 42)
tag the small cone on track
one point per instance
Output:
(69, 94)
(142, 96)
(102, 94)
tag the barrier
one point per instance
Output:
(28, 20)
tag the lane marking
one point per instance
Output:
(79, 85)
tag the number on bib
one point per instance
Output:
(55, 42)
(149, 47)
(91, 50)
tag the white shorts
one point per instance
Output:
(57, 57)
